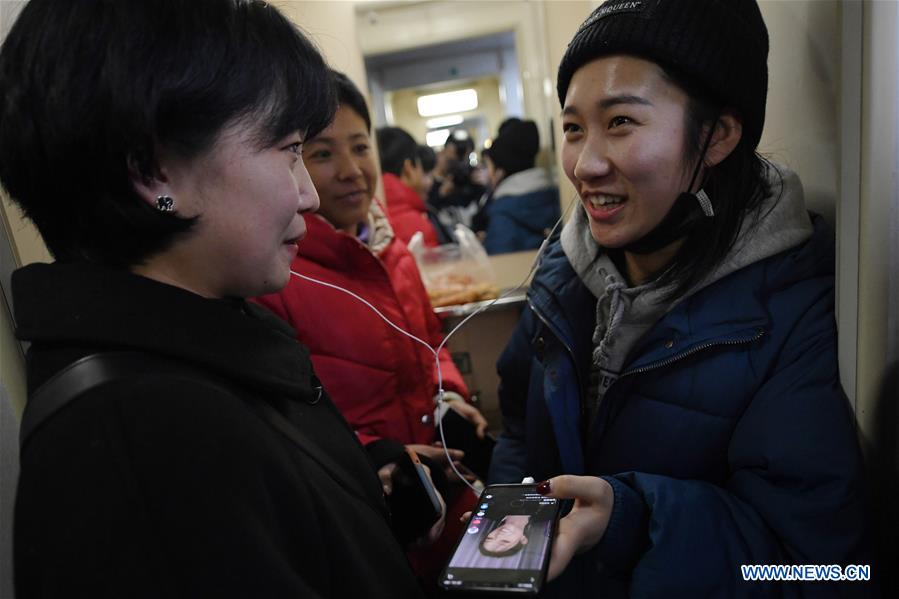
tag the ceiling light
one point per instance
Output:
(448, 102)
(445, 121)
(437, 138)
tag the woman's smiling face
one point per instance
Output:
(342, 166)
(249, 201)
(623, 148)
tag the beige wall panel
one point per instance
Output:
(332, 26)
(802, 121)
(562, 18)
(879, 186)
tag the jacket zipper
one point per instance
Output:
(577, 373)
(668, 361)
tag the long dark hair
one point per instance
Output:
(511, 550)
(737, 188)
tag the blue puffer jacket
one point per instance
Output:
(524, 209)
(727, 440)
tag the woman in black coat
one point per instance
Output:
(156, 145)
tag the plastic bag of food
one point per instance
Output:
(455, 273)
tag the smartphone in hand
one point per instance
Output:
(506, 544)
(461, 434)
(414, 502)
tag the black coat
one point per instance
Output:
(172, 485)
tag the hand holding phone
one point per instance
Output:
(462, 434)
(586, 523)
(506, 544)
(415, 505)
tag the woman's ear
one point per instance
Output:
(727, 134)
(407, 169)
(148, 187)
(497, 176)
(409, 172)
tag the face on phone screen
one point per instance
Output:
(506, 544)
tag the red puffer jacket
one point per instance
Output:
(382, 381)
(407, 211)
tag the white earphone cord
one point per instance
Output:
(436, 352)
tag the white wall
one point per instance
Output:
(802, 122)
(332, 26)
(19, 242)
(879, 203)
(12, 359)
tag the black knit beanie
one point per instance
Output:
(515, 147)
(719, 45)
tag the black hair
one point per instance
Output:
(511, 550)
(737, 188)
(395, 147)
(349, 95)
(461, 144)
(93, 90)
(427, 157)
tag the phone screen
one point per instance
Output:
(506, 544)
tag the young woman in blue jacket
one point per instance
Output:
(676, 369)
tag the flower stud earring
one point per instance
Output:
(165, 203)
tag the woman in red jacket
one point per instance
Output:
(384, 382)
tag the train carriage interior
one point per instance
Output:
(832, 117)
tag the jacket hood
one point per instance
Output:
(625, 314)
(88, 305)
(381, 233)
(523, 182)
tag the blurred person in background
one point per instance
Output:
(523, 204)
(403, 176)
(428, 159)
(457, 186)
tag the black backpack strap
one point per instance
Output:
(80, 376)
(94, 370)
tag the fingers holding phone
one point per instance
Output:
(417, 509)
(462, 469)
(437, 454)
(385, 474)
(436, 530)
(586, 523)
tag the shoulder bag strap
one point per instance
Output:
(81, 376)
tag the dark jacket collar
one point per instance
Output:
(89, 305)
